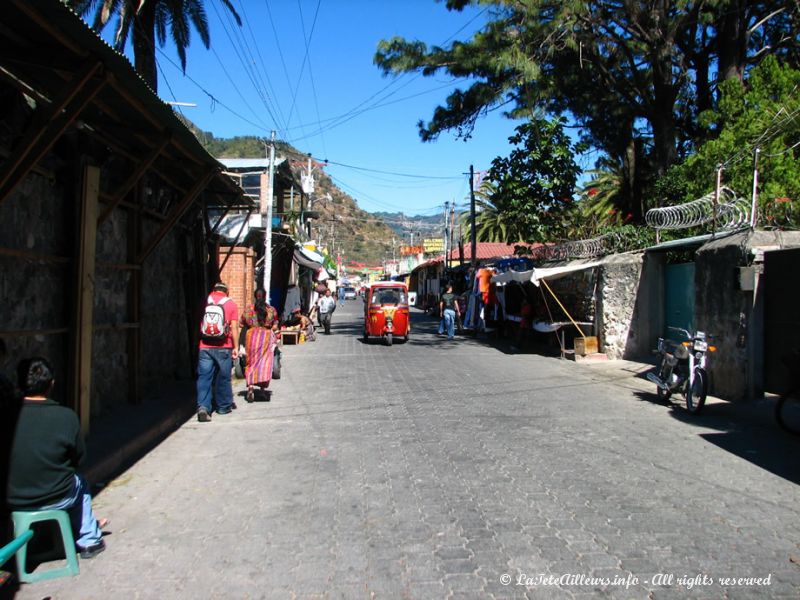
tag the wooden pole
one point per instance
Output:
(84, 295)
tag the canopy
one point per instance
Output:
(308, 258)
(537, 274)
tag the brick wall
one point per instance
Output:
(239, 274)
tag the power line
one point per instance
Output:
(214, 99)
(396, 174)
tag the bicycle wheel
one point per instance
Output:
(696, 392)
(787, 411)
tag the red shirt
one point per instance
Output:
(231, 316)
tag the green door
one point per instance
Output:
(679, 299)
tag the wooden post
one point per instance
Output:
(84, 294)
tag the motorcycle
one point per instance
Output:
(682, 369)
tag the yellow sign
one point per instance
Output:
(432, 245)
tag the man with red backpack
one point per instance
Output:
(219, 343)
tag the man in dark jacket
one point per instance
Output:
(48, 447)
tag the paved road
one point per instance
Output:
(439, 469)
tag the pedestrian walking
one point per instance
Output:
(341, 296)
(448, 310)
(326, 305)
(259, 330)
(219, 344)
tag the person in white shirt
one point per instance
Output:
(326, 305)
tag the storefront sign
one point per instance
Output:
(432, 245)
(411, 250)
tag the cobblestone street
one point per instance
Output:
(438, 469)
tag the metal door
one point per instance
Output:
(781, 318)
(678, 299)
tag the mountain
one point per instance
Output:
(421, 226)
(342, 226)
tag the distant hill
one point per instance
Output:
(359, 236)
(421, 226)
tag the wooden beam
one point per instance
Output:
(147, 113)
(175, 214)
(84, 294)
(107, 139)
(48, 125)
(128, 184)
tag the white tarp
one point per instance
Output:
(537, 274)
(308, 258)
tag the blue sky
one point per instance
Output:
(305, 68)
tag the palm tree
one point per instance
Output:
(149, 20)
(491, 224)
(602, 199)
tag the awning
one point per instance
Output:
(308, 258)
(537, 274)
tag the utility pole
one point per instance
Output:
(754, 207)
(473, 238)
(452, 226)
(446, 217)
(268, 218)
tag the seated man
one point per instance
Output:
(297, 320)
(47, 449)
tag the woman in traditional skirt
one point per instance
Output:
(260, 342)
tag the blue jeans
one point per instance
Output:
(79, 507)
(214, 370)
(450, 322)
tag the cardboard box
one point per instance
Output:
(587, 345)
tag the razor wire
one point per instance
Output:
(588, 248)
(730, 212)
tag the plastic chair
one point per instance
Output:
(22, 523)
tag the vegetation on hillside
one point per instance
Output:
(342, 226)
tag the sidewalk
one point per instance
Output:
(119, 438)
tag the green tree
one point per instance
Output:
(491, 224)
(535, 183)
(634, 75)
(149, 21)
(763, 114)
(600, 197)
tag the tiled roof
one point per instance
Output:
(486, 250)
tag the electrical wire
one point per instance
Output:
(396, 174)
(242, 51)
(307, 41)
(214, 99)
(305, 56)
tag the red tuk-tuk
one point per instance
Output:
(386, 311)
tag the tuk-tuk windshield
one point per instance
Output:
(389, 296)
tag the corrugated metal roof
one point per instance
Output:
(249, 163)
(59, 47)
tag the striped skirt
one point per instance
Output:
(260, 347)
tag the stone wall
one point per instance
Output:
(38, 294)
(625, 294)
